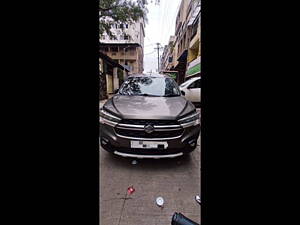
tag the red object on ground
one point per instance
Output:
(130, 190)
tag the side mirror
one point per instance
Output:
(116, 91)
(183, 93)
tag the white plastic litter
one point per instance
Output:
(198, 199)
(134, 162)
(160, 201)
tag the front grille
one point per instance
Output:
(143, 134)
(152, 122)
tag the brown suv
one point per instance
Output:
(148, 118)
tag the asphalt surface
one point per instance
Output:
(177, 180)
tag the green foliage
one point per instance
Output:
(120, 11)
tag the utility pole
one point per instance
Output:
(158, 48)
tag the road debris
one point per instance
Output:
(160, 201)
(130, 190)
(133, 162)
(197, 198)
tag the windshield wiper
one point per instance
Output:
(171, 95)
(150, 95)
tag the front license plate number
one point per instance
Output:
(149, 144)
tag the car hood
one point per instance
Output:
(146, 107)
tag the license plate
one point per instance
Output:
(149, 144)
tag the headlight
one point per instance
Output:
(191, 120)
(109, 119)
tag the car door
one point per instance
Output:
(193, 91)
(188, 90)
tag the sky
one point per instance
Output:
(161, 24)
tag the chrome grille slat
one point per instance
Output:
(153, 122)
(168, 129)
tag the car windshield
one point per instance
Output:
(150, 86)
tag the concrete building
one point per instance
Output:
(187, 39)
(111, 75)
(167, 60)
(127, 48)
(181, 40)
(194, 50)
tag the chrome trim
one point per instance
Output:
(130, 125)
(148, 139)
(142, 126)
(179, 128)
(109, 115)
(166, 126)
(148, 156)
(108, 122)
(130, 128)
(190, 124)
(142, 129)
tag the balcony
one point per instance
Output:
(120, 55)
(178, 27)
(195, 39)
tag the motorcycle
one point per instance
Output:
(180, 219)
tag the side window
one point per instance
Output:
(198, 83)
(192, 85)
(195, 84)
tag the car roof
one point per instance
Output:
(195, 78)
(191, 80)
(150, 75)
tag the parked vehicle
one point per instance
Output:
(148, 118)
(192, 90)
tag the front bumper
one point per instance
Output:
(177, 146)
(139, 156)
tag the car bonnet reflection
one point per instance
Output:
(145, 107)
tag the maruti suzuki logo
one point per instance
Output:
(149, 129)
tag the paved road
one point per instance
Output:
(176, 180)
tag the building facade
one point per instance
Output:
(127, 48)
(194, 49)
(111, 75)
(185, 55)
(128, 55)
(181, 39)
(167, 60)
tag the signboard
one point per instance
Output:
(194, 67)
(194, 70)
(172, 74)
